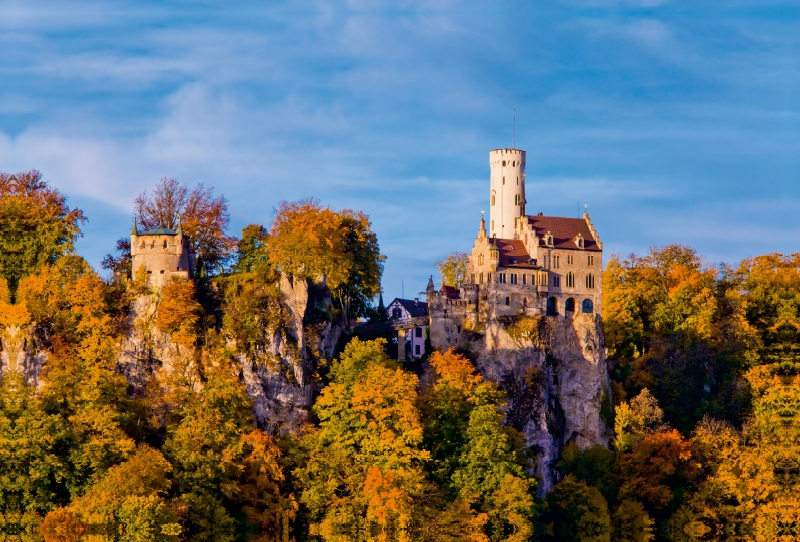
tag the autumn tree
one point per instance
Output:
(362, 474)
(678, 326)
(475, 459)
(203, 217)
(453, 269)
(310, 241)
(36, 226)
(72, 322)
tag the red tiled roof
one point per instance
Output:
(564, 231)
(450, 292)
(513, 253)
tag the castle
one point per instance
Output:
(527, 264)
(162, 253)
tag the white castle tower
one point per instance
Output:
(507, 202)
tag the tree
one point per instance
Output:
(355, 295)
(453, 269)
(578, 513)
(362, 473)
(131, 499)
(203, 216)
(310, 241)
(253, 249)
(36, 226)
(120, 265)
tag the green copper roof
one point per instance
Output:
(161, 230)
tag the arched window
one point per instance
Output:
(570, 280)
(508, 301)
(492, 204)
(552, 306)
(504, 163)
(165, 243)
(481, 278)
(153, 244)
(524, 302)
(590, 281)
(492, 225)
(588, 306)
(569, 306)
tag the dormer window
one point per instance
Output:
(579, 241)
(548, 239)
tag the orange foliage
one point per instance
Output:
(455, 370)
(61, 526)
(178, 313)
(648, 468)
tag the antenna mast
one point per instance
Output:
(515, 128)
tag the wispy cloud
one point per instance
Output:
(665, 119)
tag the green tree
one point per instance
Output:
(578, 513)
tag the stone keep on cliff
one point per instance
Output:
(530, 315)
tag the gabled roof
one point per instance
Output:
(513, 254)
(564, 231)
(414, 308)
(161, 230)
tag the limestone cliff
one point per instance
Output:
(556, 379)
(279, 380)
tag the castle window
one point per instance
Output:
(556, 261)
(179, 268)
(458, 329)
(590, 281)
(552, 306)
(165, 243)
(523, 278)
(492, 204)
(153, 244)
(162, 271)
(481, 278)
(517, 180)
(504, 163)
(569, 306)
(508, 301)
(418, 331)
(591, 260)
(570, 280)
(556, 281)
(416, 349)
(570, 260)
(504, 179)
(472, 278)
(149, 272)
(588, 306)
(513, 278)
(524, 302)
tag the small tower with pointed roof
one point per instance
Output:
(162, 253)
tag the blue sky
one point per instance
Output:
(674, 121)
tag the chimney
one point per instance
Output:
(416, 302)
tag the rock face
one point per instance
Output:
(282, 388)
(555, 389)
(18, 353)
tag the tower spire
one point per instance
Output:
(134, 230)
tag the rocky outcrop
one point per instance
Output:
(555, 387)
(18, 353)
(280, 381)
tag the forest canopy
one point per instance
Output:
(100, 441)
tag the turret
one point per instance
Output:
(507, 195)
